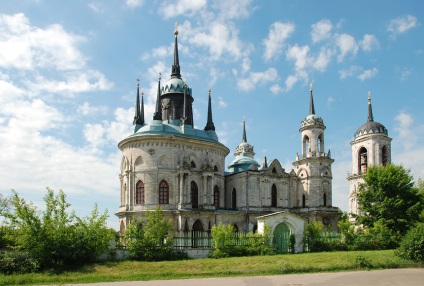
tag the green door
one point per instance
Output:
(281, 238)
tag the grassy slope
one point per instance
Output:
(241, 266)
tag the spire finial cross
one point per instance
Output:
(176, 29)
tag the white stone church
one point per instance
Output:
(170, 164)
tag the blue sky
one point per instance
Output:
(68, 73)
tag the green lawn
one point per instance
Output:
(240, 266)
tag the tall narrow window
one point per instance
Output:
(385, 156)
(303, 201)
(305, 146)
(194, 195)
(362, 160)
(320, 144)
(324, 198)
(273, 196)
(216, 197)
(234, 199)
(139, 193)
(163, 192)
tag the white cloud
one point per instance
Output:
(74, 82)
(369, 43)
(401, 25)
(407, 135)
(323, 59)
(96, 7)
(405, 73)
(347, 45)
(278, 34)
(299, 55)
(87, 109)
(221, 102)
(349, 72)
(276, 89)
(27, 47)
(257, 78)
(233, 9)
(171, 9)
(321, 30)
(367, 74)
(134, 3)
(291, 80)
(220, 39)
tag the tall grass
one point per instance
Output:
(237, 266)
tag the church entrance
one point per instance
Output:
(197, 234)
(281, 239)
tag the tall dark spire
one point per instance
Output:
(311, 103)
(209, 124)
(370, 116)
(184, 118)
(142, 108)
(176, 65)
(244, 139)
(158, 110)
(137, 105)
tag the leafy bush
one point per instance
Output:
(17, 262)
(151, 241)
(227, 243)
(412, 245)
(56, 237)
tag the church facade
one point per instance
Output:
(171, 164)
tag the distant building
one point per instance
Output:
(171, 164)
(371, 146)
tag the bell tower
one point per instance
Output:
(371, 146)
(313, 165)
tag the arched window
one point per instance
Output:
(163, 192)
(194, 195)
(139, 193)
(192, 164)
(216, 197)
(274, 171)
(305, 148)
(303, 201)
(234, 199)
(362, 160)
(273, 196)
(324, 197)
(215, 168)
(236, 229)
(320, 143)
(385, 156)
(255, 228)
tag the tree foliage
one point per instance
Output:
(226, 242)
(412, 245)
(388, 196)
(150, 239)
(56, 237)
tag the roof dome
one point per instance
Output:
(175, 85)
(243, 163)
(371, 127)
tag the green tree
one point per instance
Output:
(388, 196)
(56, 237)
(412, 245)
(150, 239)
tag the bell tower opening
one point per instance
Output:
(385, 156)
(362, 160)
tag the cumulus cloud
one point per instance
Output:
(52, 47)
(349, 72)
(276, 89)
(278, 34)
(321, 30)
(220, 39)
(323, 59)
(347, 45)
(233, 9)
(369, 43)
(170, 9)
(366, 74)
(407, 135)
(257, 78)
(221, 102)
(401, 25)
(134, 3)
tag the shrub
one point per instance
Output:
(17, 262)
(412, 245)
